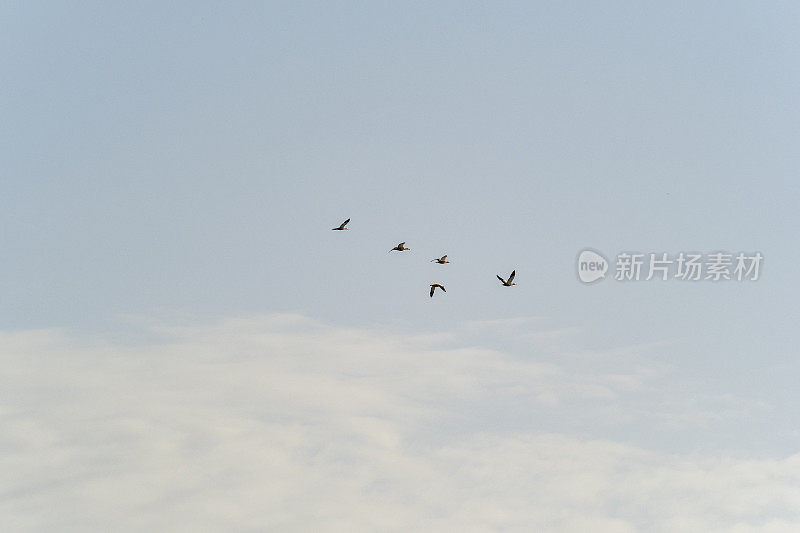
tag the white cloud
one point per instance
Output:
(283, 423)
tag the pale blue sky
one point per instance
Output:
(194, 156)
(191, 157)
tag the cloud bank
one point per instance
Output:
(284, 423)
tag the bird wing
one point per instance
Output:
(401, 244)
(444, 257)
(344, 223)
(442, 287)
(433, 288)
(501, 279)
(511, 277)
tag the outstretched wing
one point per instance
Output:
(433, 288)
(401, 244)
(442, 287)
(511, 277)
(444, 258)
(344, 223)
(501, 279)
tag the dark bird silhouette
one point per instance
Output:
(508, 282)
(433, 288)
(400, 247)
(342, 227)
(442, 260)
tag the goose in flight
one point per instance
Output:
(508, 283)
(433, 288)
(342, 226)
(400, 247)
(442, 260)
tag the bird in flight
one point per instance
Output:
(400, 247)
(508, 283)
(433, 288)
(342, 226)
(442, 260)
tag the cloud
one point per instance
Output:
(285, 423)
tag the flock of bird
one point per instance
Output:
(441, 260)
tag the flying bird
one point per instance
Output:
(442, 260)
(508, 283)
(342, 227)
(400, 247)
(433, 288)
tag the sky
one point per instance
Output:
(184, 338)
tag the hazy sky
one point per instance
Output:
(180, 165)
